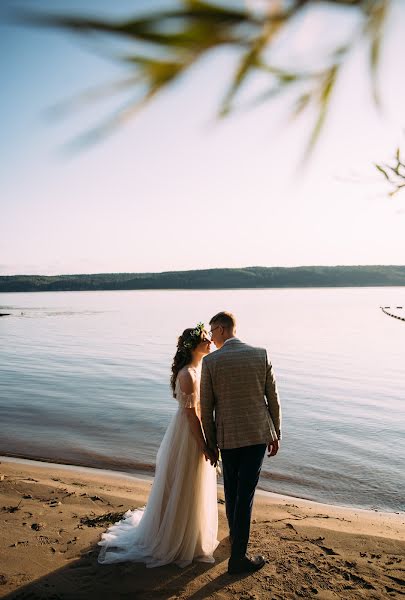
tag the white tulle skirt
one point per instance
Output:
(180, 521)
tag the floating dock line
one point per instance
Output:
(385, 311)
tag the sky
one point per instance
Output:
(177, 189)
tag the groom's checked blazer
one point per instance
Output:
(236, 381)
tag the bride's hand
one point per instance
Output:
(206, 452)
(210, 455)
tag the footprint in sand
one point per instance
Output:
(44, 540)
(73, 541)
(329, 551)
(19, 543)
(397, 580)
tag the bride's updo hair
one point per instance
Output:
(189, 339)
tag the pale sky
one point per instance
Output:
(175, 189)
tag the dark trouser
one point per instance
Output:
(241, 469)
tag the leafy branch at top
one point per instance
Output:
(167, 43)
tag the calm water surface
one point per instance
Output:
(84, 380)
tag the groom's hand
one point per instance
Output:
(273, 448)
(214, 455)
(209, 454)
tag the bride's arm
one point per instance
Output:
(188, 387)
(195, 426)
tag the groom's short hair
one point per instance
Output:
(224, 319)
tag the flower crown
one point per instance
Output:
(193, 335)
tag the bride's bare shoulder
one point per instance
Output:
(186, 372)
(186, 377)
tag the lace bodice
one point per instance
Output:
(188, 400)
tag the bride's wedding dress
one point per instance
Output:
(180, 521)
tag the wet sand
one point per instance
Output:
(52, 517)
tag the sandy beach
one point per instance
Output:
(52, 517)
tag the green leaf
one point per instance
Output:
(324, 95)
(92, 95)
(301, 104)
(376, 13)
(380, 168)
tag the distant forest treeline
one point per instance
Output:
(250, 277)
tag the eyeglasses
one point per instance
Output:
(212, 331)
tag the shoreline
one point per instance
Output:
(214, 278)
(52, 517)
(143, 476)
(211, 289)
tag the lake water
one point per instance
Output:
(84, 379)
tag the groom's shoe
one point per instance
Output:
(245, 564)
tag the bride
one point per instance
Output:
(180, 520)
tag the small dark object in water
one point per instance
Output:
(398, 307)
(5, 314)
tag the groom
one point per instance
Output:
(234, 383)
